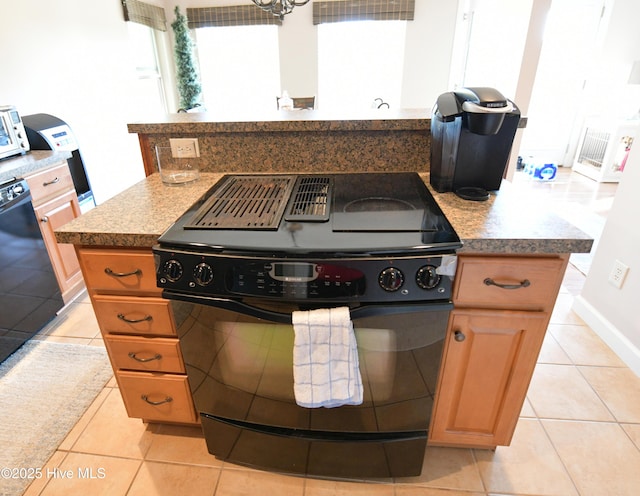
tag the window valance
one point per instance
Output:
(229, 15)
(363, 10)
(144, 13)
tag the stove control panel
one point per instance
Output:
(341, 279)
(297, 280)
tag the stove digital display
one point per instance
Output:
(299, 272)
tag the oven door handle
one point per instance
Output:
(367, 310)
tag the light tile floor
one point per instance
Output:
(579, 434)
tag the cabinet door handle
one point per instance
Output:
(146, 318)
(44, 219)
(523, 284)
(135, 356)
(109, 272)
(459, 336)
(168, 399)
(49, 183)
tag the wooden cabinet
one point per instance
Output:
(55, 204)
(502, 306)
(139, 333)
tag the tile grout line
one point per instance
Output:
(557, 452)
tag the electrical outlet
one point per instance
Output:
(618, 273)
(184, 147)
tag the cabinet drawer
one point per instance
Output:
(50, 182)
(525, 283)
(147, 354)
(134, 315)
(156, 396)
(123, 271)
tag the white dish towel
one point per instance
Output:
(326, 371)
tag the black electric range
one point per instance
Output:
(323, 237)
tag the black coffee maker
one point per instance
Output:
(472, 130)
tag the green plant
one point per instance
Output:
(187, 76)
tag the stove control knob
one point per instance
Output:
(173, 270)
(391, 279)
(427, 277)
(203, 274)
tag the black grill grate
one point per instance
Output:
(310, 200)
(245, 202)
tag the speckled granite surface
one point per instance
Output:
(137, 216)
(23, 165)
(507, 223)
(303, 140)
(285, 121)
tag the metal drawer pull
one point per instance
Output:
(49, 183)
(490, 282)
(136, 272)
(459, 336)
(133, 355)
(168, 399)
(44, 219)
(146, 318)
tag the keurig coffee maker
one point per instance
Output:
(472, 130)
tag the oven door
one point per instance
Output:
(239, 360)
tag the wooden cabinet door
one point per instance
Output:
(488, 361)
(51, 215)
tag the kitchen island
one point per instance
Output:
(492, 342)
(509, 269)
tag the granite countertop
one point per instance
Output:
(286, 121)
(509, 222)
(24, 165)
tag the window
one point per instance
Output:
(360, 61)
(239, 68)
(148, 91)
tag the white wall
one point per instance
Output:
(299, 53)
(611, 312)
(497, 44)
(428, 52)
(69, 58)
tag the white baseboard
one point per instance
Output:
(617, 341)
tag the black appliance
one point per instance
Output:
(29, 292)
(472, 130)
(47, 132)
(254, 249)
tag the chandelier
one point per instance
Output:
(279, 8)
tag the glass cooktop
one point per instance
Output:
(323, 213)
